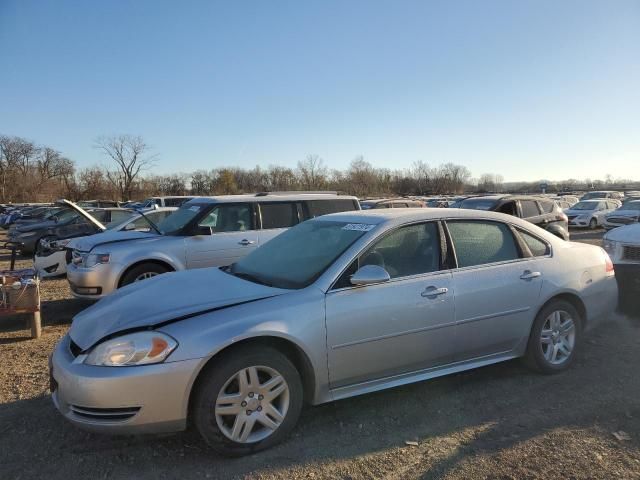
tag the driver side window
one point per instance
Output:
(407, 251)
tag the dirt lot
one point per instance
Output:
(498, 422)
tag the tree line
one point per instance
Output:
(32, 172)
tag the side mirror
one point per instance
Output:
(370, 274)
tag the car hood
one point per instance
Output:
(161, 299)
(629, 233)
(82, 212)
(624, 213)
(86, 244)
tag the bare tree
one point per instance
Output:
(131, 156)
(312, 172)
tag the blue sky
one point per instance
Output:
(529, 89)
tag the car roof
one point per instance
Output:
(271, 198)
(407, 215)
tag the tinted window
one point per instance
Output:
(547, 207)
(529, 208)
(227, 218)
(409, 250)
(324, 207)
(537, 247)
(477, 243)
(174, 201)
(278, 215)
(479, 203)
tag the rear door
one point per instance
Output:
(225, 235)
(276, 217)
(497, 285)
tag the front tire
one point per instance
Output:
(248, 401)
(593, 224)
(555, 337)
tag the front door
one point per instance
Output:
(403, 325)
(221, 238)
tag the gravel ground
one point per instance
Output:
(498, 422)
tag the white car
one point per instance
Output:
(590, 213)
(51, 258)
(627, 214)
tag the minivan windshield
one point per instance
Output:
(478, 203)
(296, 258)
(175, 222)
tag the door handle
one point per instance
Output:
(434, 291)
(246, 242)
(529, 275)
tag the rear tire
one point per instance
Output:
(142, 272)
(555, 338)
(238, 417)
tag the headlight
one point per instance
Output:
(95, 258)
(142, 348)
(609, 246)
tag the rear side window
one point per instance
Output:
(547, 207)
(529, 208)
(324, 207)
(278, 215)
(478, 243)
(226, 218)
(537, 247)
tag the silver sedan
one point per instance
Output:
(337, 306)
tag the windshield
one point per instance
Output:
(585, 206)
(297, 257)
(478, 203)
(635, 205)
(65, 215)
(590, 195)
(178, 219)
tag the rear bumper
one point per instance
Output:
(601, 301)
(121, 400)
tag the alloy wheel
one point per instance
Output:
(252, 404)
(144, 276)
(558, 337)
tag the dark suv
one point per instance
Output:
(540, 211)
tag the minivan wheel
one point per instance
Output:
(555, 337)
(248, 401)
(593, 224)
(143, 272)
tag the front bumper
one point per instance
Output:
(95, 282)
(121, 400)
(52, 265)
(628, 277)
(579, 223)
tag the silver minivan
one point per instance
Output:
(204, 232)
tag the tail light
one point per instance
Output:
(608, 264)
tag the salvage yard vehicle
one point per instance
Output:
(540, 211)
(623, 246)
(391, 203)
(204, 232)
(337, 306)
(627, 214)
(52, 256)
(590, 213)
(71, 221)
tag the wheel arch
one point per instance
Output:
(574, 300)
(155, 261)
(291, 350)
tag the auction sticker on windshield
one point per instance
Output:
(358, 227)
